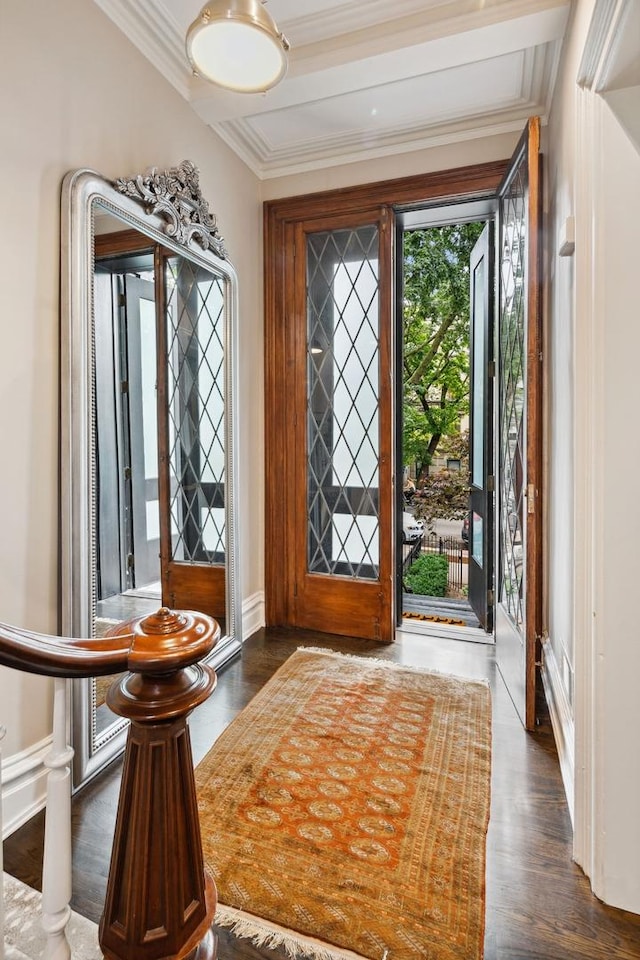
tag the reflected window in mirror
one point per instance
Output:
(126, 430)
(149, 434)
(194, 431)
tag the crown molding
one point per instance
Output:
(154, 32)
(364, 16)
(355, 16)
(434, 56)
(341, 49)
(252, 141)
(514, 20)
(494, 123)
(603, 38)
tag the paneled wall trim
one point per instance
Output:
(561, 719)
(24, 785)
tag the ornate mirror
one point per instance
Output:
(148, 413)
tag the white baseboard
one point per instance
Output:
(561, 720)
(24, 785)
(253, 613)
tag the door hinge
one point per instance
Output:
(491, 598)
(131, 561)
(531, 498)
(491, 483)
(127, 473)
(491, 369)
(122, 300)
(124, 386)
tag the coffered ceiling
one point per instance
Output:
(368, 78)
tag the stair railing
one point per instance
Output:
(160, 903)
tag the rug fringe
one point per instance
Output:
(263, 933)
(391, 664)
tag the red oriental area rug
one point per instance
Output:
(344, 812)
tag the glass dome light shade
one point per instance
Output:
(235, 44)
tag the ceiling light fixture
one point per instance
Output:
(236, 44)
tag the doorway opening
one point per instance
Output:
(128, 515)
(444, 411)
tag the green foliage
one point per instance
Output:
(428, 575)
(445, 495)
(436, 337)
(456, 446)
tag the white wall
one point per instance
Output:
(593, 529)
(562, 339)
(75, 93)
(617, 653)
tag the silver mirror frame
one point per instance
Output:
(153, 217)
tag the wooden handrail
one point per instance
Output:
(160, 903)
(189, 639)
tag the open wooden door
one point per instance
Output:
(519, 573)
(340, 466)
(481, 479)
(191, 427)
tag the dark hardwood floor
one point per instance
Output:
(539, 904)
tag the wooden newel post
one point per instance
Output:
(159, 902)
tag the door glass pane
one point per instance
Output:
(195, 382)
(512, 397)
(143, 426)
(342, 402)
(148, 378)
(479, 374)
(477, 539)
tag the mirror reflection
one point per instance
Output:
(148, 457)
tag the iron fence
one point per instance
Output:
(455, 550)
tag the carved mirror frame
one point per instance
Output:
(168, 208)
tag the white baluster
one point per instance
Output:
(56, 868)
(2, 733)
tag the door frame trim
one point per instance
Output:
(473, 181)
(528, 151)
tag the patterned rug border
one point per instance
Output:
(262, 932)
(266, 933)
(429, 671)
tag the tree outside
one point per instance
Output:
(436, 364)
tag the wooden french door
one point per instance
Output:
(519, 388)
(340, 401)
(481, 480)
(191, 433)
(314, 517)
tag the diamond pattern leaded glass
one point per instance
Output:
(513, 396)
(195, 384)
(342, 402)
